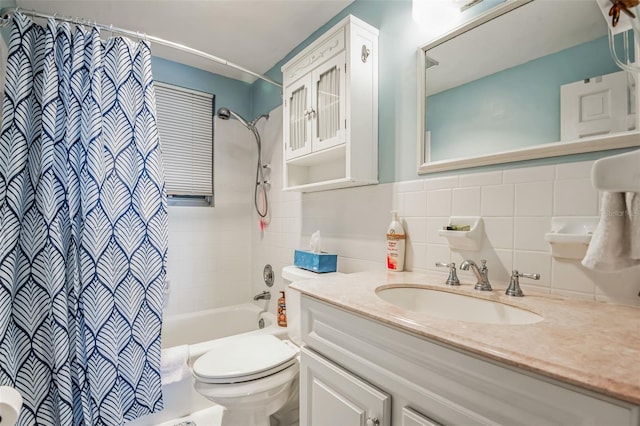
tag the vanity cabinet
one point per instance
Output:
(430, 383)
(330, 127)
(333, 396)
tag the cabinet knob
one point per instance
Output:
(309, 113)
(373, 421)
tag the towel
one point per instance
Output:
(174, 364)
(615, 243)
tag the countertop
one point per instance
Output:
(593, 345)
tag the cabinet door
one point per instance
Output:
(297, 118)
(330, 396)
(329, 103)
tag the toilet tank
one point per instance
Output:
(292, 274)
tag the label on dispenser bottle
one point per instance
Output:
(395, 245)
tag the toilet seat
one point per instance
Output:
(236, 361)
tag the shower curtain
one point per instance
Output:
(83, 227)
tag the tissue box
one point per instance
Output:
(316, 262)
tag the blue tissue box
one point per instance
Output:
(316, 262)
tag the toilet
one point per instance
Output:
(253, 377)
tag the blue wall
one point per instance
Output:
(514, 108)
(397, 132)
(230, 93)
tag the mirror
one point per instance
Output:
(528, 79)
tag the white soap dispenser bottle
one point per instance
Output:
(395, 244)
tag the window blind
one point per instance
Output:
(185, 126)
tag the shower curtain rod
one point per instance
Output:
(8, 13)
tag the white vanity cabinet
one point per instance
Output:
(330, 127)
(333, 396)
(429, 383)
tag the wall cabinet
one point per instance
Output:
(431, 384)
(330, 127)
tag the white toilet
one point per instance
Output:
(253, 377)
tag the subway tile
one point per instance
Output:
(433, 225)
(398, 203)
(533, 263)
(416, 229)
(415, 257)
(529, 174)
(350, 265)
(466, 202)
(408, 186)
(570, 276)
(481, 179)
(499, 232)
(579, 170)
(415, 204)
(575, 197)
(439, 203)
(534, 199)
(529, 233)
(447, 182)
(436, 253)
(498, 200)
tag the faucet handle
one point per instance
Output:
(452, 279)
(514, 284)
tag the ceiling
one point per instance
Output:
(254, 34)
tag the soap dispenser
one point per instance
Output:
(395, 244)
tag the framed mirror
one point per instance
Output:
(528, 79)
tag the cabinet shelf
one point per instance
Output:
(335, 153)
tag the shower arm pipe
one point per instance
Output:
(6, 16)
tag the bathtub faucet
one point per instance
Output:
(265, 295)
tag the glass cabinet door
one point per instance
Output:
(298, 119)
(329, 104)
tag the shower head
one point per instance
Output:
(226, 113)
(223, 113)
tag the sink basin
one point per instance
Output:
(454, 306)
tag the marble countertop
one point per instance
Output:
(593, 345)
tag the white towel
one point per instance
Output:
(174, 364)
(615, 244)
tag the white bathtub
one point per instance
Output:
(199, 330)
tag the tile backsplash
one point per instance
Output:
(516, 205)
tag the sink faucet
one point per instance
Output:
(265, 295)
(482, 274)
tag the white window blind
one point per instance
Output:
(185, 125)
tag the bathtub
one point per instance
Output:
(199, 330)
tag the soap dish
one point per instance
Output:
(570, 236)
(464, 240)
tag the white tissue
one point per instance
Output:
(10, 405)
(315, 243)
(174, 364)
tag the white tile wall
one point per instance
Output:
(209, 257)
(217, 255)
(516, 204)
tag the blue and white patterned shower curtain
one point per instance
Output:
(83, 227)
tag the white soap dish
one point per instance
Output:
(464, 240)
(570, 236)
